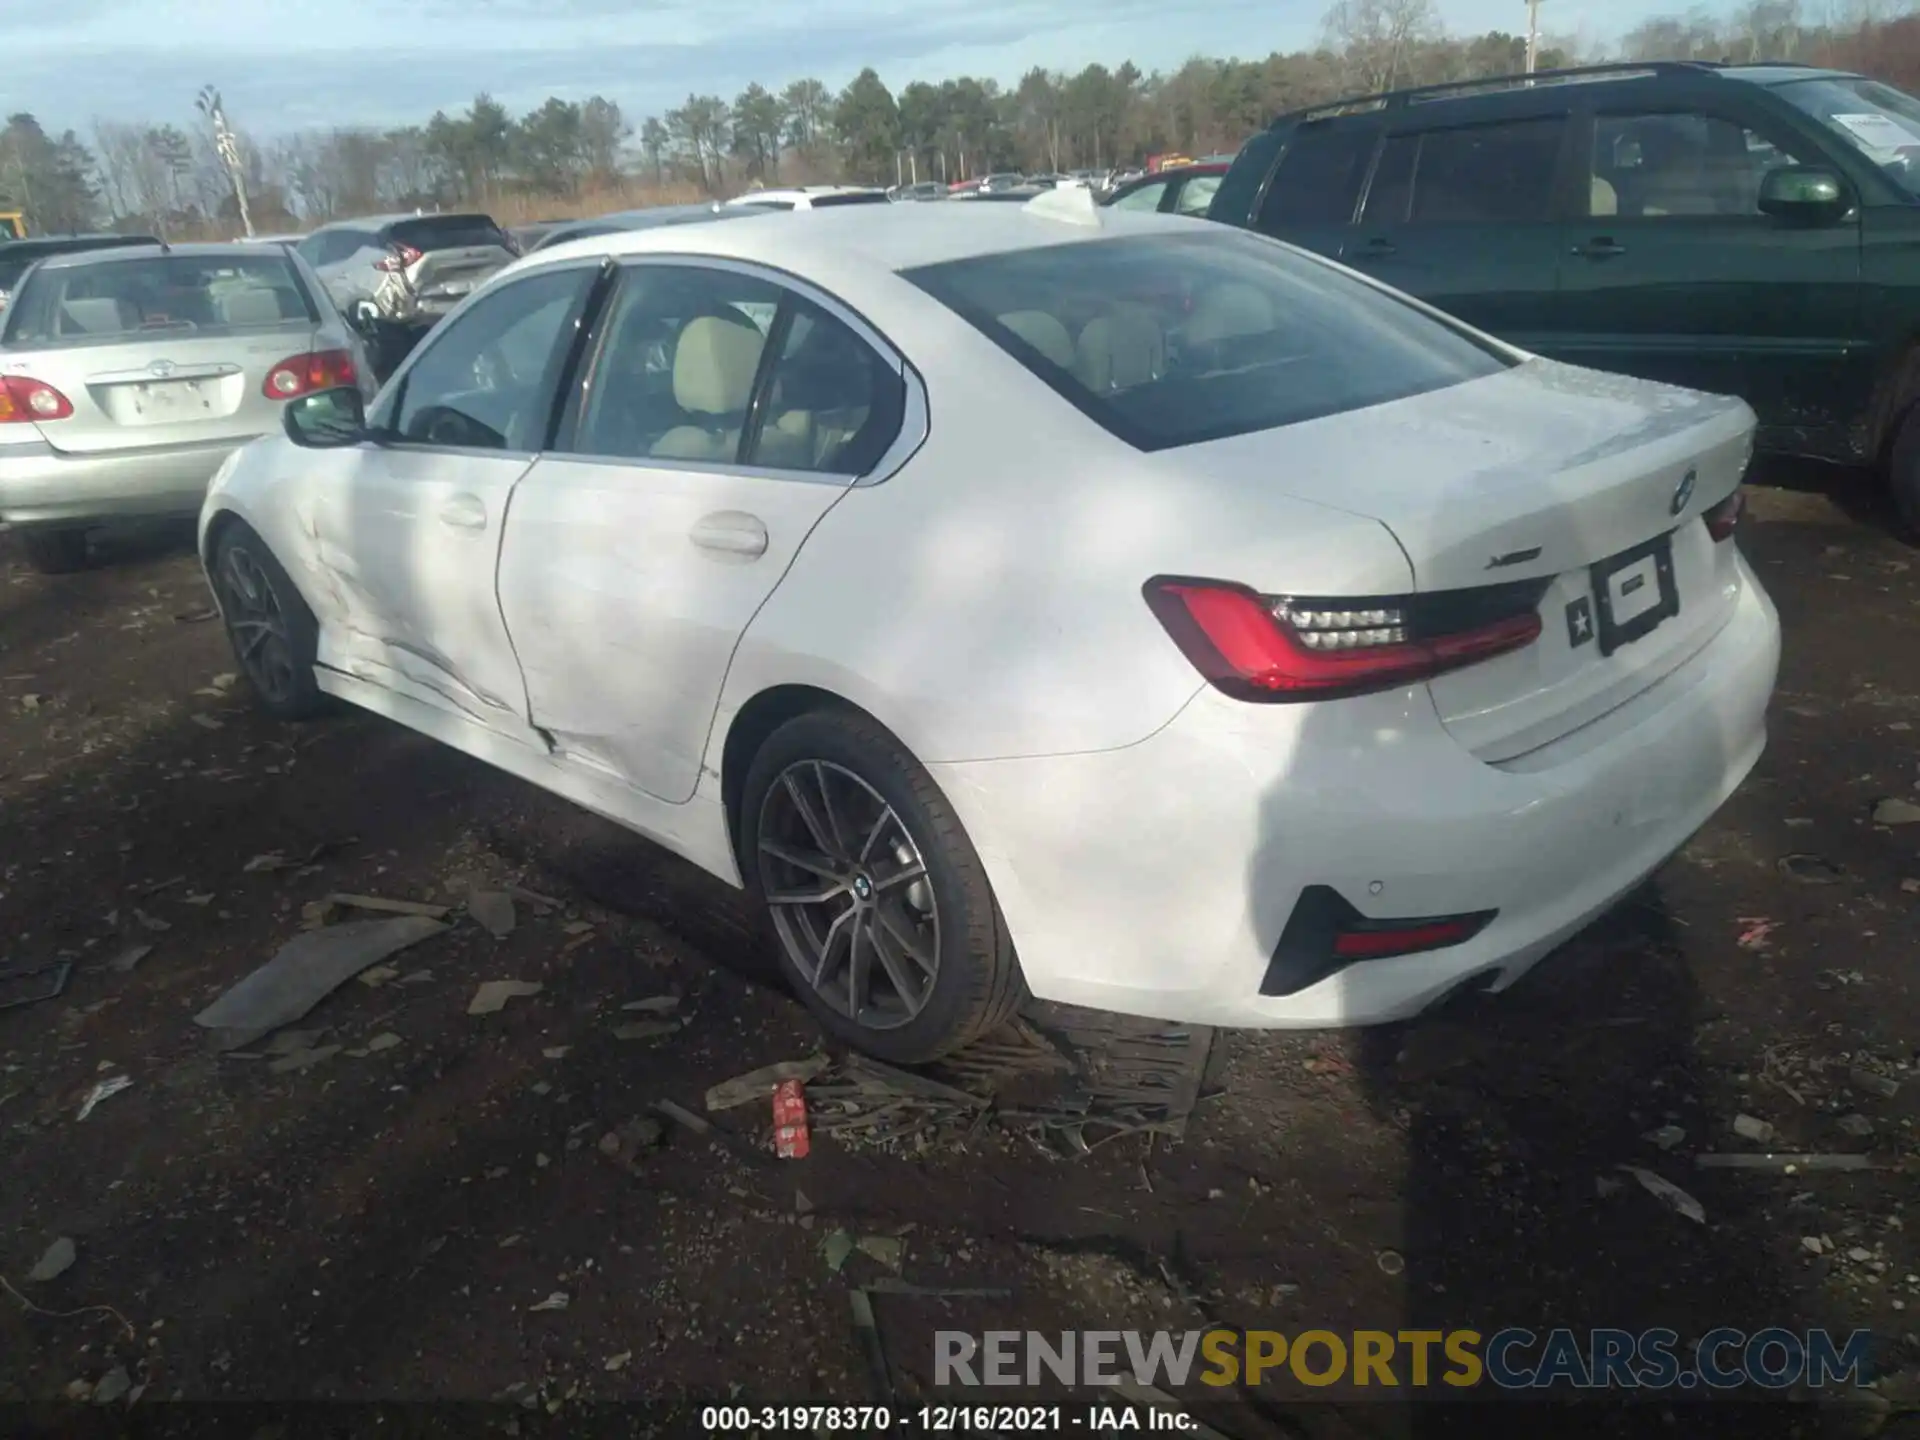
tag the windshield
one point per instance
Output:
(1171, 340)
(1879, 121)
(113, 300)
(857, 197)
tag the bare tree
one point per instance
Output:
(1374, 37)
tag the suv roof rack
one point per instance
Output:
(1457, 89)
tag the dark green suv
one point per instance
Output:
(1748, 230)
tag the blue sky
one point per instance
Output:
(376, 62)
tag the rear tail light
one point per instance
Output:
(1280, 648)
(400, 259)
(24, 400)
(299, 375)
(1723, 519)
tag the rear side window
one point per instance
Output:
(447, 232)
(158, 295)
(1487, 174)
(1171, 340)
(1319, 177)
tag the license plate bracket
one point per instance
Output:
(1621, 615)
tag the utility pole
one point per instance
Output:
(1533, 34)
(227, 146)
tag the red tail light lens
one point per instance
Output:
(1723, 519)
(24, 400)
(303, 374)
(1376, 940)
(1259, 647)
(400, 259)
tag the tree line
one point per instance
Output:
(565, 153)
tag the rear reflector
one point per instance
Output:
(299, 375)
(1723, 519)
(1266, 648)
(1325, 935)
(24, 400)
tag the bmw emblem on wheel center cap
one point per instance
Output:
(1685, 493)
(862, 887)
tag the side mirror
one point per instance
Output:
(1802, 192)
(363, 315)
(327, 419)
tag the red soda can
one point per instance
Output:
(790, 1140)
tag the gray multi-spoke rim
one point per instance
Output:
(261, 639)
(849, 893)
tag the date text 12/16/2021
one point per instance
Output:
(1089, 1419)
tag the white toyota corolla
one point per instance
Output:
(1117, 607)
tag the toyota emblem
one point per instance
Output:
(1684, 493)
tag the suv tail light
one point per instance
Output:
(400, 259)
(24, 400)
(299, 375)
(1723, 519)
(1283, 648)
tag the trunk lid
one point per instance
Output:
(1593, 485)
(182, 389)
(441, 279)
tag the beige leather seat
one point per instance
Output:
(1120, 349)
(1603, 199)
(255, 305)
(100, 316)
(1227, 311)
(1044, 333)
(714, 363)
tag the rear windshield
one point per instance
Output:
(870, 197)
(446, 232)
(113, 300)
(1169, 340)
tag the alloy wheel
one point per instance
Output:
(849, 893)
(261, 638)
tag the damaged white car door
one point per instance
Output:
(721, 416)
(407, 529)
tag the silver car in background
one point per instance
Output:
(413, 268)
(128, 376)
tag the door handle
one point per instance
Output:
(731, 532)
(1600, 248)
(464, 512)
(1375, 250)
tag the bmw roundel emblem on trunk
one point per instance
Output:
(1685, 493)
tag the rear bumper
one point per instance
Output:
(1157, 880)
(40, 485)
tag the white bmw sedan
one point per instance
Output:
(1137, 613)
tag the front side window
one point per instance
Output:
(485, 380)
(1487, 174)
(114, 301)
(1170, 340)
(1319, 177)
(1879, 121)
(1678, 163)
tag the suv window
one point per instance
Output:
(1319, 177)
(446, 232)
(1487, 174)
(484, 380)
(1678, 163)
(1392, 187)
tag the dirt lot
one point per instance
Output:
(388, 1222)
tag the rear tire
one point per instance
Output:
(55, 552)
(274, 635)
(889, 932)
(1903, 473)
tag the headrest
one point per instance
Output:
(714, 364)
(1044, 333)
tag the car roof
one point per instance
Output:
(893, 237)
(1494, 87)
(380, 222)
(805, 192)
(211, 250)
(54, 244)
